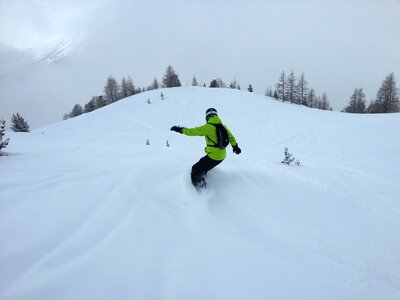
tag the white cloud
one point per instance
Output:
(38, 24)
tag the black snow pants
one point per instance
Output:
(200, 169)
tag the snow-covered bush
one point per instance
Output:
(4, 143)
(18, 124)
(289, 158)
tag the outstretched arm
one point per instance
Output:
(197, 131)
(232, 139)
(233, 142)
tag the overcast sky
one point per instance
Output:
(339, 45)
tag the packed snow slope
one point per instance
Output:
(89, 211)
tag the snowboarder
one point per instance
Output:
(215, 155)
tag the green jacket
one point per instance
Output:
(210, 134)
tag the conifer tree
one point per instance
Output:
(3, 143)
(288, 159)
(269, 92)
(100, 102)
(18, 124)
(112, 90)
(77, 110)
(250, 88)
(124, 91)
(302, 89)
(233, 84)
(91, 105)
(357, 102)
(291, 91)
(214, 84)
(194, 81)
(281, 87)
(171, 78)
(221, 83)
(155, 85)
(323, 102)
(130, 87)
(387, 96)
(311, 99)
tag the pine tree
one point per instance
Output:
(171, 78)
(303, 90)
(387, 96)
(250, 88)
(233, 84)
(281, 87)
(311, 99)
(112, 90)
(221, 83)
(130, 87)
(76, 111)
(155, 85)
(214, 84)
(194, 81)
(291, 91)
(357, 102)
(18, 124)
(323, 102)
(124, 91)
(269, 92)
(288, 159)
(3, 143)
(374, 107)
(100, 102)
(91, 105)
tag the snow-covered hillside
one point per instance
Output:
(89, 211)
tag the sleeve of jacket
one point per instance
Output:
(232, 139)
(197, 131)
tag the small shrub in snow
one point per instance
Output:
(148, 101)
(162, 96)
(18, 124)
(167, 144)
(148, 142)
(289, 158)
(4, 143)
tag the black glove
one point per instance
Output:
(177, 129)
(236, 149)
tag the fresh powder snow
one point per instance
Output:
(90, 210)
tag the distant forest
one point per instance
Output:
(289, 88)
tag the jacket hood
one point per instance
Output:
(214, 120)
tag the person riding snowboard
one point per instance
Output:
(215, 148)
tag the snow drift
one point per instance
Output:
(89, 211)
